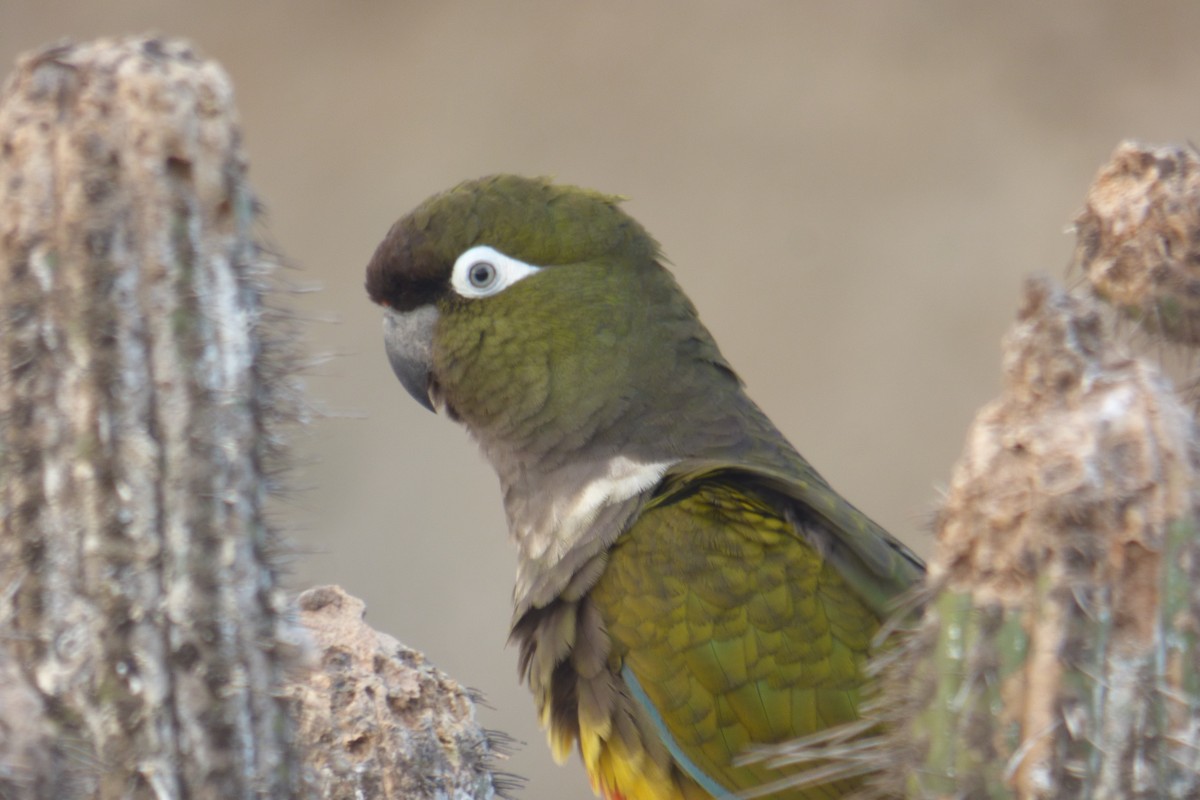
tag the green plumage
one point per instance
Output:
(687, 584)
(737, 630)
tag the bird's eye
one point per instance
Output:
(484, 271)
(481, 274)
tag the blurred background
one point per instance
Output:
(851, 192)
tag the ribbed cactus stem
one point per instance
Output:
(137, 423)
(1058, 657)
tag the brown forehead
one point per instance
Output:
(404, 273)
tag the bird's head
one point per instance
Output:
(530, 310)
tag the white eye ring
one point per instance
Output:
(484, 271)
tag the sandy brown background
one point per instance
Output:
(850, 191)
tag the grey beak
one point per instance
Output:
(408, 338)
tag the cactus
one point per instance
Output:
(1056, 654)
(1057, 657)
(146, 383)
(141, 403)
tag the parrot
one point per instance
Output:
(687, 585)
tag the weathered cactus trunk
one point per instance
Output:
(144, 380)
(1058, 654)
(138, 405)
(378, 721)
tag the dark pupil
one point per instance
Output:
(482, 273)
